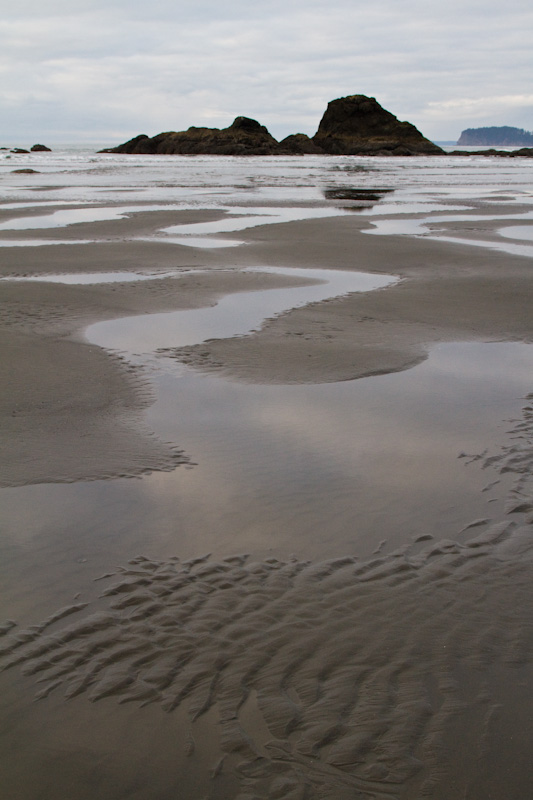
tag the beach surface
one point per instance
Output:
(319, 587)
(72, 411)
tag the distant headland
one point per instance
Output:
(354, 125)
(502, 136)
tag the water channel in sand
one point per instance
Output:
(317, 470)
(424, 655)
(234, 315)
(320, 471)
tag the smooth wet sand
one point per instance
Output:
(405, 674)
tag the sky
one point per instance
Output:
(103, 71)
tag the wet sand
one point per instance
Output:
(447, 293)
(402, 675)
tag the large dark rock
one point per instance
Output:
(40, 148)
(358, 125)
(245, 137)
(139, 145)
(355, 125)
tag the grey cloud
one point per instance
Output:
(116, 69)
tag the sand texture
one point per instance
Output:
(249, 673)
(69, 410)
(334, 679)
(390, 677)
(447, 292)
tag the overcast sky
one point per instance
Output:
(105, 70)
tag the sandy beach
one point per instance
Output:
(399, 668)
(446, 293)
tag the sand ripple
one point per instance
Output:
(333, 679)
(349, 673)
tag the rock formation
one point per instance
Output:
(500, 136)
(355, 125)
(300, 144)
(358, 125)
(40, 148)
(244, 137)
(524, 152)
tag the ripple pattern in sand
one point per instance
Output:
(348, 672)
(335, 679)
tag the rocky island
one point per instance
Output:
(354, 125)
(499, 136)
(358, 125)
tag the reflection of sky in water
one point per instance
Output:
(518, 232)
(340, 467)
(264, 215)
(251, 217)
(195, 241)
(41, 242)
(424, 228)
(20, 206)
(257, 187)
(403, 205)
(320, 470)
(317, 470)
(94, 277)
(234, 314)
(504, 247)
(72, 216)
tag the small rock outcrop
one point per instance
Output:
(300, 144)
(40, 148)
(524, 152)
(19, 150)
(358, 125)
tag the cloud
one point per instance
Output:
(472, 106)
(112, 69)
